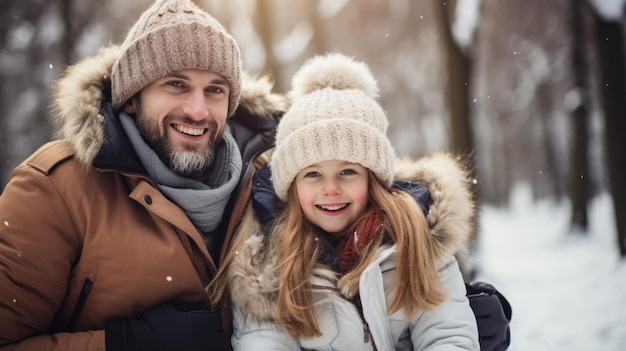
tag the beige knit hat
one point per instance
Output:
(334, 116)
(169, 36)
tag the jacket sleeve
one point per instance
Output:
(38, 245)
(452, 324)
(250, 334)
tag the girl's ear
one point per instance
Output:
(130, 106)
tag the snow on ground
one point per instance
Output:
(567, 291)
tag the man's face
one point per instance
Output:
(182, 116)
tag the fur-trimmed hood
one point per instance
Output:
(452, 216)
(453, 210)
(79, 94)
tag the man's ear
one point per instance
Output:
(130, 106)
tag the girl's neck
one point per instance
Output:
(335, 237)
(341, 251)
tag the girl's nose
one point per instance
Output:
(331, 188)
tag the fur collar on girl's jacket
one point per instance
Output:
(452, 217)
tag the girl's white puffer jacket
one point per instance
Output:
(450, 326)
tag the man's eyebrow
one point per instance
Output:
(178, 75)
(220, 81)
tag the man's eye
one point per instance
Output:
(215, 90)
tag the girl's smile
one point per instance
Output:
(333, 193)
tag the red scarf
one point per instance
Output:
(365, 230)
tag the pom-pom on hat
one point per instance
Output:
(170, 36)
(334, 115)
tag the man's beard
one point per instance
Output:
(188, 162)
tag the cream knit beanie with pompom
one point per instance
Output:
(334, 116)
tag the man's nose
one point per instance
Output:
(195, 106)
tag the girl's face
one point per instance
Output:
(333, 194)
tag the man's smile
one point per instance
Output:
(189, 130)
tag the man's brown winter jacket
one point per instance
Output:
(85, 234)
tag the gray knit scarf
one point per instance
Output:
(204, 202)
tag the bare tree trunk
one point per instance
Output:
(319, 44)
(579, 181)
(21, 75)
(457, 95)
(67, 41)
(546, 131)
(264, 20)
(458, 66)
(613, 96)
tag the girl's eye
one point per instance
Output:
(176, 84)
(312, 174)
(348, 172)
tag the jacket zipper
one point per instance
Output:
(366, 328)
(82, 298)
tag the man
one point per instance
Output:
(109, 236)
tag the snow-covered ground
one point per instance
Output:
(567, 291)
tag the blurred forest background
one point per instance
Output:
(532, 91)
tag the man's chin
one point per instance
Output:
(189, 162)
(199, 148)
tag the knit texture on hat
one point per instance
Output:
(334, 116)
(169, 36)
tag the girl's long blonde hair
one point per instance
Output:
(294, 243)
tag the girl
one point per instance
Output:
(350, 262)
